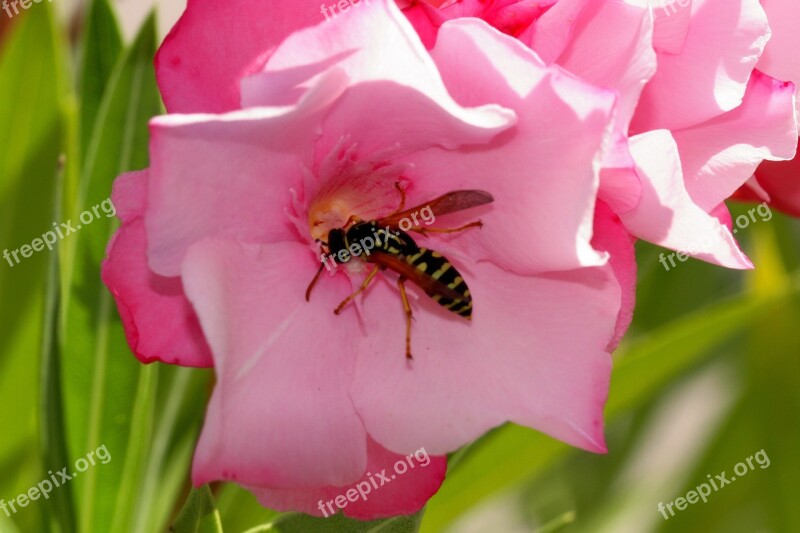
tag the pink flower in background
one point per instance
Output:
(779, 182)
(284, 125)
(694, 118)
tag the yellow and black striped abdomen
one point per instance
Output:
(436, 266)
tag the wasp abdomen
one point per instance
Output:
(439, 268)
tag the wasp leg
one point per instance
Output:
(353, 219)
(402, 196)
(402, 200)
(476, 224)
(314, 282)
(358, 291)
(407, 309)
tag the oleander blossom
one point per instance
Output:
(695, 115)
(281, 127)
(777, 181)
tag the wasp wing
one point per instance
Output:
(447, 203)
(424, 281)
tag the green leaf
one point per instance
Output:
(240, 510)
(199, 515)
(109, 396)
(31, 85)
(300, 523)
(53, 435)
(102, 45)
(177, 424)
(773, 373)
(653, 360)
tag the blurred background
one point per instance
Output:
(708, 375)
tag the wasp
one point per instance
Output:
(397, 251)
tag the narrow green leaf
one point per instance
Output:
(653, 360)
(177, 424)
(31, 85)
(199, 515)
(53, 435)
(101, 48)
(240, 510)
(774, 375)
(558, 523)
(108, 394)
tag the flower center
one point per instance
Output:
(348, 185)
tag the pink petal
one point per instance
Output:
(280, 415)
(229, 175)
(720, 155)
(710, 76)
(781, 59)
(215, 44)
(666, 214)
(425, 18)
(553, 30)
(386, 121)
(543, 174)
(159, 322)
(671, 25)
(374, 42)
(782, 181)
(129, 195)
(625, 60)
(469, 376)
(404, 494)
(612, 237)
(620, 188)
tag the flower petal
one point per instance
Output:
(404, 494)
(671, 25)
(229, 175)
(235, 37)
(543, 173)
(781, 59)
(666, 214)
(781, 180)
(280, 414)
(720, 155)
(374, 42)
(469, 376)
(612, 237)
(710, 76)
(159, 322)
(553, 30)
(625, 61)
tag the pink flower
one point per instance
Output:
(779, 182)
(284, 125)
(694, 117)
